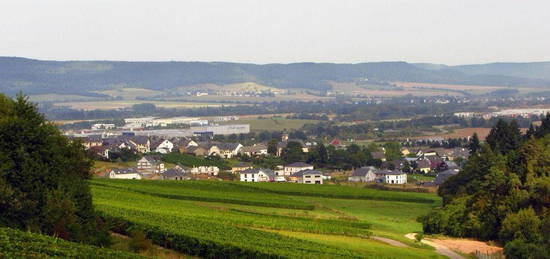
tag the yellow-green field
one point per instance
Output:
(118, 104)
(273, 124)
(234, 219)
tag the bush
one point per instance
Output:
(519, 249)
(138, 241)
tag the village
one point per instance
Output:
(416, 166)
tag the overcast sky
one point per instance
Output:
(278, 31)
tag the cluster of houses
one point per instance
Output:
(298, 172)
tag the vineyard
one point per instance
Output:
(232, 220)
(19, 244)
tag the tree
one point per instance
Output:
(272, 146)
(43, 177)
(293, 152)
(393, 151)
(474, 146)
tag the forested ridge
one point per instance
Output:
(503, 193)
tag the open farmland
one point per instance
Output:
(274, 124)
(238, 220)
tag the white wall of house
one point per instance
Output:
(257, 177)
(396, 178)
(312, 179)
(165, 147)
(290, 169)
(113, 175)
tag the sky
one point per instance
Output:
(278, 31)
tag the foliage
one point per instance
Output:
(43, 176)
(20, 244)
(502, 193)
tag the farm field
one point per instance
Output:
(273, 124)
(211, 218)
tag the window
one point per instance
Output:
(317, 182)
(308, 176)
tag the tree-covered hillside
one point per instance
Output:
(81, 77)
(503, 193)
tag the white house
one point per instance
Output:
(296, 167)
(396, 177)
(209, 170)
(151, 165)
(257, 175)
(308, 176)
(363, 175)
(163, 146)
(126, 173)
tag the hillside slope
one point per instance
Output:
(78, 77)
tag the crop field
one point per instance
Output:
(274, 124)
(238, 220)
(130, 93)
(20, 244)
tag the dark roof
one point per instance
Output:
(363, 171)
(390, 172)
(443, 176)
(173, 172)
(254, 148)
(307, 171)
(423, 163)
(140, 140)
(298, 164)
(241, 164)
(227, 146)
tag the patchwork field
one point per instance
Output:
(252, 220)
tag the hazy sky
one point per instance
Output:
(281, 31)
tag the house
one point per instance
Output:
(446, 165)
(423, 165)
(296, 167)
(405, 151)
(101, 151)
(379, 155)
(443, 176)
(162, 146)
(257, 175)
(141, 144)
(240, 167)
(125, 173)
(197, 150)
(176, 173)
(208, 170)
(150, 164)
(229, 150)
(459, 152)
(308, 176)
(183, 144)
(363, 175)
(337, 144)
(92, 141)
(254, 150)
(395, 177)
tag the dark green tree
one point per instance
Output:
(43, 177)
(475, 145)
(293, 152)
(272, 146)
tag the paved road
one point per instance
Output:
(389, 241)
(440, 249)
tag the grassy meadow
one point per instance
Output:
(273, 123)
(267, 220)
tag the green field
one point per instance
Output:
(20, 244)
(274, 124)
(251, 220)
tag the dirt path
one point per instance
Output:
(439, 248)
(389, 241)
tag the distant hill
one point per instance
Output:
(533, 70)
(82, 77)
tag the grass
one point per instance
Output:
(240, 219)
(118, 104)
(274, 124)
(20, 244)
